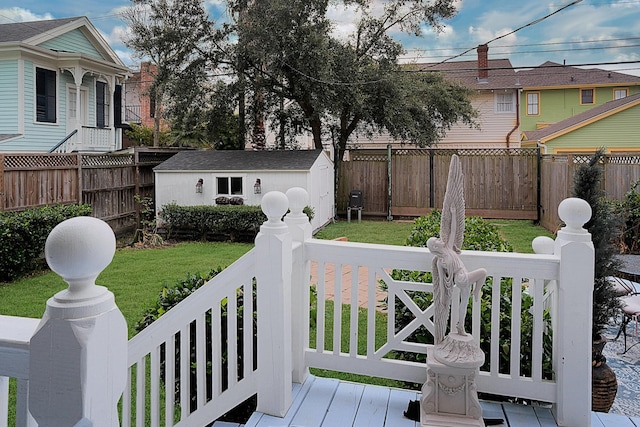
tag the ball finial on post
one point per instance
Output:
(574, 212)
(78, 250)
(298, 199)
(274, 205)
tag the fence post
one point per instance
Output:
(300, 228)
(273, 247)
(572, 363)
(78, 354)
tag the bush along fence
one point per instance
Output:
(499, 183)
(23, 235)
(106, 182)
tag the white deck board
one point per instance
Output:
(614, 420)
(325, 402)
(345, 404)
(372, 411)
(398, 403)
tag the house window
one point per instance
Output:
(229, 185)
(620, 93)
(45, 95)
(504, 102)
(587, 96)
(533, 103)
(102, 105)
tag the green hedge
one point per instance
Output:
(234, 222)
(23, 235)
(217, 222)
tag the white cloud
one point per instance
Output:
(18, 14)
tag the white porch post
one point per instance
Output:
(572, 363)
(300, 229)
(273, 271)
(78, 354)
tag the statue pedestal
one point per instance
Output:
(449, 396)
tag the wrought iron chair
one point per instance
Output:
(629, 293)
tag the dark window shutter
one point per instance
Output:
(100, 105)
(117, 106)
(45, 95)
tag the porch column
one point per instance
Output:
(273, 247)
(78, 354)
(572, 363)
(300, 228)
(78, 74)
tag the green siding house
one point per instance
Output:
(59, 88)
(553, 92)
(614, 125)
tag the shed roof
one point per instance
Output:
(584, 118)
(240, 160)
(21, 31)
(551, 74)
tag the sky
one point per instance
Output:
(591, 33)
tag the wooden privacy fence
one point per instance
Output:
(556, 180)
(499, 183)
(107, 182)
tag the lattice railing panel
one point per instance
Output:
(39, 161)
(107, 160)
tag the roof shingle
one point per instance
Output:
(21, 31)
(240, 160)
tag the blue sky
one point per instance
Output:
(589, 32)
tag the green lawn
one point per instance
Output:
(135, 276)
(518, 233)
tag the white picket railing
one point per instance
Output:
(226, 364)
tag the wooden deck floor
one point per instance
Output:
(325, 402)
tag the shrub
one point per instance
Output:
(205, 222)
(604, 227)
(23, 235)
(629, 211)
(479, 235)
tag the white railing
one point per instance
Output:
(15, 334)
(225, 364)
(219, 371)
(97, 139)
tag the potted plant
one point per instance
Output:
(604, 229)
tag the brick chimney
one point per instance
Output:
(483, 61)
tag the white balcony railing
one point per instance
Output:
(201, 358)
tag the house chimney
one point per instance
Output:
(483, 61)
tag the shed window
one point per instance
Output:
(45, 95)
(229, 185)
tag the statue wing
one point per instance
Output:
(452, 222)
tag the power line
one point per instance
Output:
(529, 24)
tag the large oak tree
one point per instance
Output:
(334, 87)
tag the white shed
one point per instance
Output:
(248, 175)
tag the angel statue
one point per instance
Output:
(448, 269)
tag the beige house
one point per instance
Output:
(496, 93)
